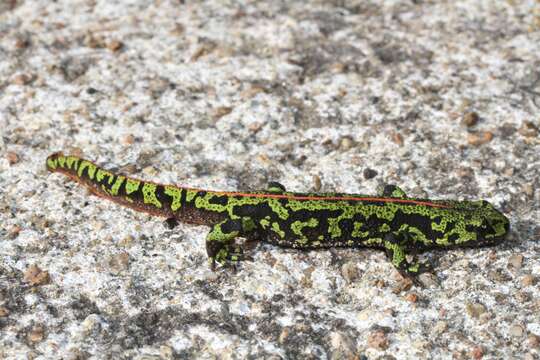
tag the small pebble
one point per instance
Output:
(22, 43)
(115, 45)
(14, 231)
(127, 241)
(76, 354)
(119, 262)
(465, 172)
(203, 50)
(397, 138)
(91, 323)
(404, 283)
(34, 276)
(528, 129)
(522, 296)
(298, 161)
(209, 276)
(36, 334)
(507, 130)
(515, 261)
(317, 183)
(12, 157)
(527, 189)
(527, 280)
(346, 143)
(479, 138)
(492, 255)
(98, 225)
(221, 111)
(92, 41)
(22, 79)
(485, 317)
(377, 340)
(76, 151)
(477, 352)
(284, 335)
(166, 352)
(128, 169)
(498, 275)
(263, 158)
(428, 280)
(516, 331)
(255, 127)
(474, 310)
(509, 171)
(533, 341)
(343, 346)
(338, 67)
(150, 171)
(470, 119)
(350, 272)
(3, 312)
(413, 298)
(178, 29)
(128, 139)
(440, 327)
(307, 280)
(466, 104)
(251, 92)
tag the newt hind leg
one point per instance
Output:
(220, 241)
(395, 245)
(390, 190)
(171, 222)
(275, 187)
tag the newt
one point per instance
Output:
(400, 225)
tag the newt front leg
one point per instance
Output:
(220, 245)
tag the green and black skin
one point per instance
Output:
(391, 221)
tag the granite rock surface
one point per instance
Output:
(439, 97)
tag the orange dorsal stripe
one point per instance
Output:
(317, 198)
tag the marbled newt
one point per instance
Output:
(391, 221)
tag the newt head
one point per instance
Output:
(472, 224)
(493, 224)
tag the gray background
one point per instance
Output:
(439, 97)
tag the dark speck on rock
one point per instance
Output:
(369, 173)
(82, 307)
(74, 67)
(507, 130)
(470, 119)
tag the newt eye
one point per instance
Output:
(485, 227)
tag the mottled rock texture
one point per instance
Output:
(440, 97)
